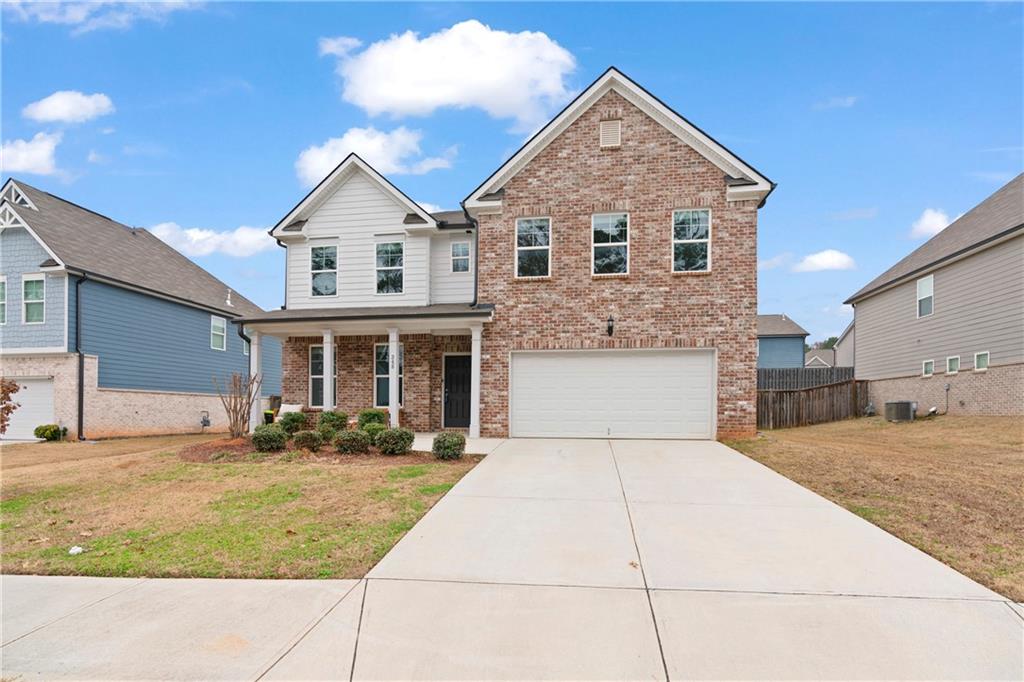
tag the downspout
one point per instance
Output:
(81, 356)
(476, 251)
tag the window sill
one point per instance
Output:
(542, 278)
(690, 273)
(614, 275)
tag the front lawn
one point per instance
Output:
(951, 486)
(137, 510)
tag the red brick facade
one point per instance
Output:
(650, 175)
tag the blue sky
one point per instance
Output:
(880, 122)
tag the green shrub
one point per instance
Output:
(307, 440)
(336, 420)
(395, 441)
(327, 433)
(269, 438)
(373, 416)
(449, 445)
(372, 430)
(292, 422)
(352, 442)
(49, 432)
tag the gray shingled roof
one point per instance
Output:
(826, 354)
(87, 241)
(778, 325)
(374, 313)
(1001, 213)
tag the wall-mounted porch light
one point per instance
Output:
(611, 325)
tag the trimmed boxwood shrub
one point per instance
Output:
(352, 442)
(449, 445)
(372, 416)
(292, 422)
(373, 430)
(307, 440)
(269, 438)
(395, 441)
(327, 433)
(49, 432)
(336, 420)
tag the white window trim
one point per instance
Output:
(988, 360)
(245, 347)
(401, 374)
(34, 277)
(672, 246)
(314, 272)
(516, 248)
(919, 297)
(629, 231)
(376, 269)
(468, 257)
(213, 332)
(957, 370)
(925, 373)
(3, 279)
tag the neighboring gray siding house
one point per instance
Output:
(845, 345)
(952, 312)
(780, 342)
(820, 357)
(90, 307)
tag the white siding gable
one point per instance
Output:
(356, 217)
(447, 286)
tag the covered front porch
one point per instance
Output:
(421, 364)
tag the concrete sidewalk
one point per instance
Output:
(557, 559)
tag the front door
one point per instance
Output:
(456, 391)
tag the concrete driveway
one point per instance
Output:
(558, 560)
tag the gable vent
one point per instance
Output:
(611, 133)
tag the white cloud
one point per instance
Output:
(84, 17)
(396, 152)
(31, 156)
(843, 102)
(95, 157)
(429, 207)
(931, 222)
(829, 259)
(68, 106)
(339, 47)
(856, 214)
(520, 76)
(774, 262)
(195, 241)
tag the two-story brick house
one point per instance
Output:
(602, 282)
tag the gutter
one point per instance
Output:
(479, 312)
(81, 356)
(476, 252)
(230, 314)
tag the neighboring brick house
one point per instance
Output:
(614, 294)
(107, 330)
(951, 314)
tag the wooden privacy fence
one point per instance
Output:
(781, 409)
(801, 377)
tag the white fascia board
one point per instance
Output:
(7, 185)
(613, 79)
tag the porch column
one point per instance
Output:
(329, 387)
(393, 402)
(474, 383)
(255, 414)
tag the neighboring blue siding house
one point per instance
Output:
(93, 308)
(780, 342)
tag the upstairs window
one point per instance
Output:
(927, 368)
(953, 364)
(925, 298)
(460, 256)
(533, 247)
(3, 300)
(323, 266)
(218, 333)
(390, 267)
(981, 361)
(33, 299)
(691, 240)
(610, 235)
(381, 379)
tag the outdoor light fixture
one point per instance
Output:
(611, 325)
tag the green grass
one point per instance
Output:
(436, 489)
(409, 471)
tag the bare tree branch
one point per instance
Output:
(238, 398)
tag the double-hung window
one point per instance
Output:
(691, 240)
(533, 247)
(33, 299)
(3, 300)
(323, 268)
(218, 333)
(610, 232)
(925, 296)
(460, 256)
(381, 380)
(316, 376)
(390, 267)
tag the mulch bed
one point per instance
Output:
(241, 450)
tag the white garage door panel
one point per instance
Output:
(35, 407)
(622, 394)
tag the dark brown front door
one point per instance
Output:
(456, 391)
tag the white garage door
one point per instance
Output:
(35, 407)
(618, 394)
